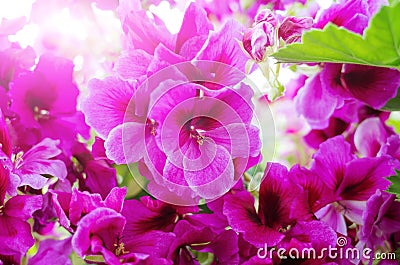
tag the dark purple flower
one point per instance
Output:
(372, 85)
(313, 234)
(281, 204)
(353, 181)
(103, 231)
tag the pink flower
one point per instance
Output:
(46, 99)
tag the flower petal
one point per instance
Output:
(315, 103)
(107, 103)
(364, 176)
(330, 161)
(126, 143)
(242, 217)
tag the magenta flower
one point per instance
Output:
(53, 252)
(335, 127)
(371, 135)
(352, 15)
(71, 208)
(352, 180)
(14, 60)
(94, 175)
(202, 239)
(46, 100)
(313, 234)
(16, 236)
(83, 202)
(316, 103)
(381, 220)
(281, 204)
(107, 103)
(273, 4)
(152, 47)
(220, 122)
(202, 136)
(105, 231)
(5, 140)
(373, 86)
(149, 215)
(35, 163)
(336, 84)
(257, 39)
(98, 231)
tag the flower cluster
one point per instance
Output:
(166, 158)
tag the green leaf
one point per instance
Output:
(393, 104)
(131, 178)
(395, 187)
(380, 46)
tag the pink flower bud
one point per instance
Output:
(257, 39)
(292, 28)
(265, 15)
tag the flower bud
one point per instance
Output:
(292, 28)
(257, 39)
(265, 15)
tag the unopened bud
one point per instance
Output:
(257, 39)
(292, 28)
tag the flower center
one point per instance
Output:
(119, 248)
(40, 114)
(196, 134)
(152, 125)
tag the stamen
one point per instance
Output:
(194, 133)
(119, 246)
(18, 158)
(153, 126)
(41, 114)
